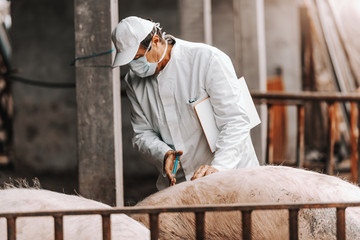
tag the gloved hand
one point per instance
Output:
(203, 170)
(169, 161)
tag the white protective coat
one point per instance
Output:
(163, 117)
(75, 227)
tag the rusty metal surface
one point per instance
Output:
(58, 223)
(154, 225)
(300, 136)
(199, 210)
(358, 143)
(11, 227)
(270, 135)
(200, 225)
(330, 163)
(307, 96)
(332, 99)
(340, 224)
(192, 208)
(293, 224)
(246, 224)
(106, 226)
(354, 136)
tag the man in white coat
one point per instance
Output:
(167, 77)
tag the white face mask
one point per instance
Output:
(142, 68)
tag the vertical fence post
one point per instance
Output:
(293, 224)
(270, 135)
(358, 140)
(330, 164)
(300, 152)
(11, 228)
(354, 135)
(340, 224)
(154, 226)
(58, 222)
(200, 225)
(106, 226)
(246, 224)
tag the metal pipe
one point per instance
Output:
(246, 224)
(106, 226)
(306, 96)
(293, 224)
(200, 225)
(11, 227)
(340, 224)
(58, 223)
(154, 226)
(354, 135)
(192, 208)
(270, 135)
(300, 136)
(200, 210)
(358, 142)
(330, 163)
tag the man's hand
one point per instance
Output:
(204, 170)
(169, 161)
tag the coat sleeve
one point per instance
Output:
(145, 139)
(232, 147)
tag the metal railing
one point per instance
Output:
(200, 217)
(271, 99)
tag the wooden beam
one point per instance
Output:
(98, 103)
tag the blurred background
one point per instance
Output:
(305, 45)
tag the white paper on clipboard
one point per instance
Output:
(249, 104)
(205, 114)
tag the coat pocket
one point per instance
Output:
(202, 96)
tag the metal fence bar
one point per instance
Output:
(192, 208)
(358, 142)
(293, 224)
(354, 134)
(275, 98)
(200, 225)
(330, 164)
(58, 223)
(340, 224)
(200, 210)
(246, 224)
(300, 136)
(11, 227)
(270, 135)
(106, 226)
(154, 226)
(307, 96)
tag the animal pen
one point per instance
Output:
(199, 213)
(246, 210)
(347, 102)
(333, 102)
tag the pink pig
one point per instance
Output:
(75, 227)
(265, 184)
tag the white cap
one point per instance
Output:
(127, 36)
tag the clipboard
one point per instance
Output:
(205, 114)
